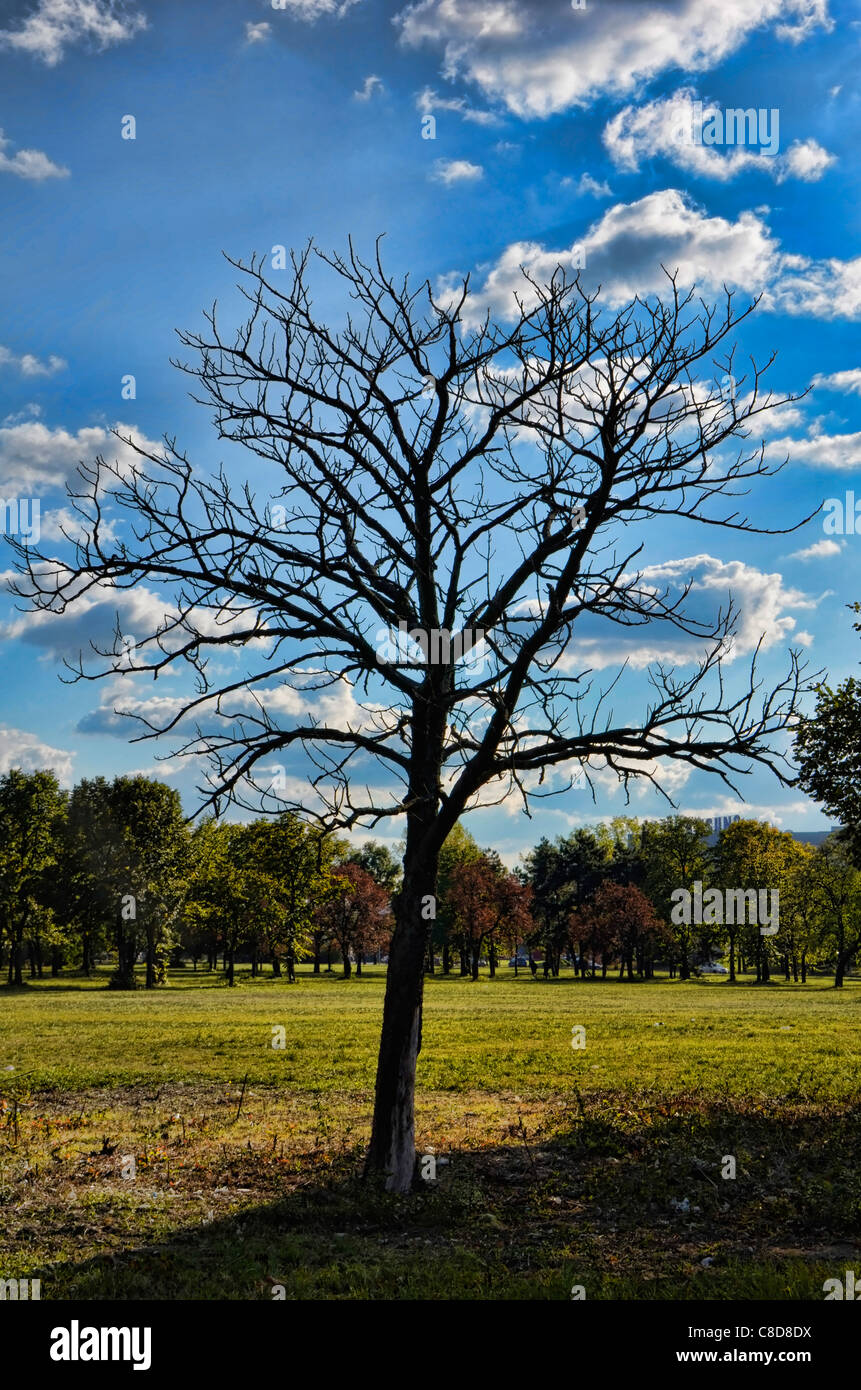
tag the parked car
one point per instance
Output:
(519, 960)
(714, 968)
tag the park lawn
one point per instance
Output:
(598, 1166)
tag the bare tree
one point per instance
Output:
(442, 473)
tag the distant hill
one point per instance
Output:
(813, 837)
(806, 837)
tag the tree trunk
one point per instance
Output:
(150, 959)
(446, 959)
(732, 958)
(392, 1149)
(804, 967)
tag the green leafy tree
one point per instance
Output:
(800, 910)
(827, 749)
(147, 874)
(838, 882)
(298, 862)
(32, 808)
(86, 869)
(752, 855)
(675, 852)
(460, 848)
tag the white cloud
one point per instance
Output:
(429, 101)
(765, 610)
(28, 365)
(665, 127)
(312, 10)
(60, 523)
(542, 56)
(806, 160)
(371, 84)
(24, 750)
(820, 550)
(29, 164)
(257, 33)
(449, 171)
(586, 184)
(35, 459)
(31, 411)
(829, 289)
(625, 249)
(848, 382)
(837, 451)
(56, 25)
(762, 599)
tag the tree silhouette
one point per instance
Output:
(437, 472)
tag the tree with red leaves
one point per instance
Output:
(485, 899)
(358, 914)
(620, 923)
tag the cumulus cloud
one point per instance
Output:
(848, 382)
(257, 33)
(122, 702)
(312, 10)
(369, 86)
(540, 57)
(449, 171)
(837, 451)
(24, 750)
(586, 184)
(428, 101)
(665, 127)
(28, 365)
(625, 251)
(35, 459)
(56, 25)
(827, 289)
(766, 611)
(820, 550)
(28, 164)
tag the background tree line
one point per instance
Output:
(111, 868)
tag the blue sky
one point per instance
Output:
(555, 127)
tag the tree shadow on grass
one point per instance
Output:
(624, 1197)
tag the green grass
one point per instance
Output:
(705, 1035)
(599, 1166)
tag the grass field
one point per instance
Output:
(600, 1166)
